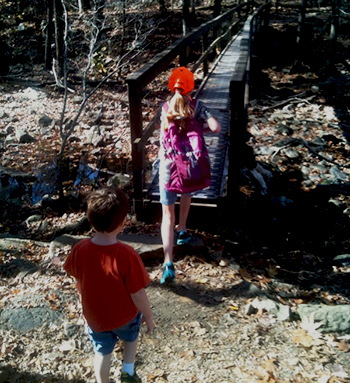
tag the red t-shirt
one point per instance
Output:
(106, 276)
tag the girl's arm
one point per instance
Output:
(214, 125)
(140, 300)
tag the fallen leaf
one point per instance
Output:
(67, 345)
(245, 275)
(303, 338)
(224, 263)
(56, 261)
(188, 354)
(343, 346)
(309, 325)
(158, 373)
(324, 379)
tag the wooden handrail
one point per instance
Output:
(160, 62)
(139, 79)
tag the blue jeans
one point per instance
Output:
(103, 342)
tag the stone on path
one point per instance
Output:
(27, 319)
(333, 318)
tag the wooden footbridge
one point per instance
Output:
(232, 37)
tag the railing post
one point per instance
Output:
(135, 115)
(183, 59)
(238, 122)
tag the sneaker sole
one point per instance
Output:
(183, 241)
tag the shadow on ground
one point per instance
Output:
(10, 374)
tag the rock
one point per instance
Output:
(318, 141)
(282, 312)
(339, 175)
(10, 129)
(249, 309)
(16, 243)
(2, 113)
(77, 99)
(280, 115)
(305, 170)
(73, 228)
(315, 89)
(62, 241)
(147, 246)
(70, 329)
(333, 318)
(10, 140)
(284, 129)
(30, 94)
(23, 137)
(291, 153)
(28, 319)
(119, 180)
(34, 218)
(95, 137)
(265, 150)
(45, 121)
(342, 260)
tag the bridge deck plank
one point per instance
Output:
(215, 94)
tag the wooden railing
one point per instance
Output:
(239, 90)
(139, 79)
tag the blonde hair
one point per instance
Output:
(179, 106)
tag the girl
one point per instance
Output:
(181, 83)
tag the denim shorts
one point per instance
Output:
(103, 342)
(167, 197)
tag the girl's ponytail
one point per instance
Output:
(179, 110)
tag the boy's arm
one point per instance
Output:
(140, 300)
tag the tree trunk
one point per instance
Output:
(335, 21)
(185, 16)
(301, 24)
(163, 9)
(59, 28)
(217, 8)
(48, 33)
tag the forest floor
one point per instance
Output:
(280, 244)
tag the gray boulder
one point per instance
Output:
(333, 318)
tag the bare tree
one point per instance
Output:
(94, 27)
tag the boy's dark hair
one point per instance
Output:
(106, 208)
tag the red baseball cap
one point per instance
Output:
(181, 78)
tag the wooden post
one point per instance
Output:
(238, 122)
(135, 115)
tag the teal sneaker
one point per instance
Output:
(125, 377)
(183, 237)
(168, 273)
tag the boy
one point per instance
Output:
(111, 279)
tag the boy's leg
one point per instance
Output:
(129, 356)
(102, 364)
